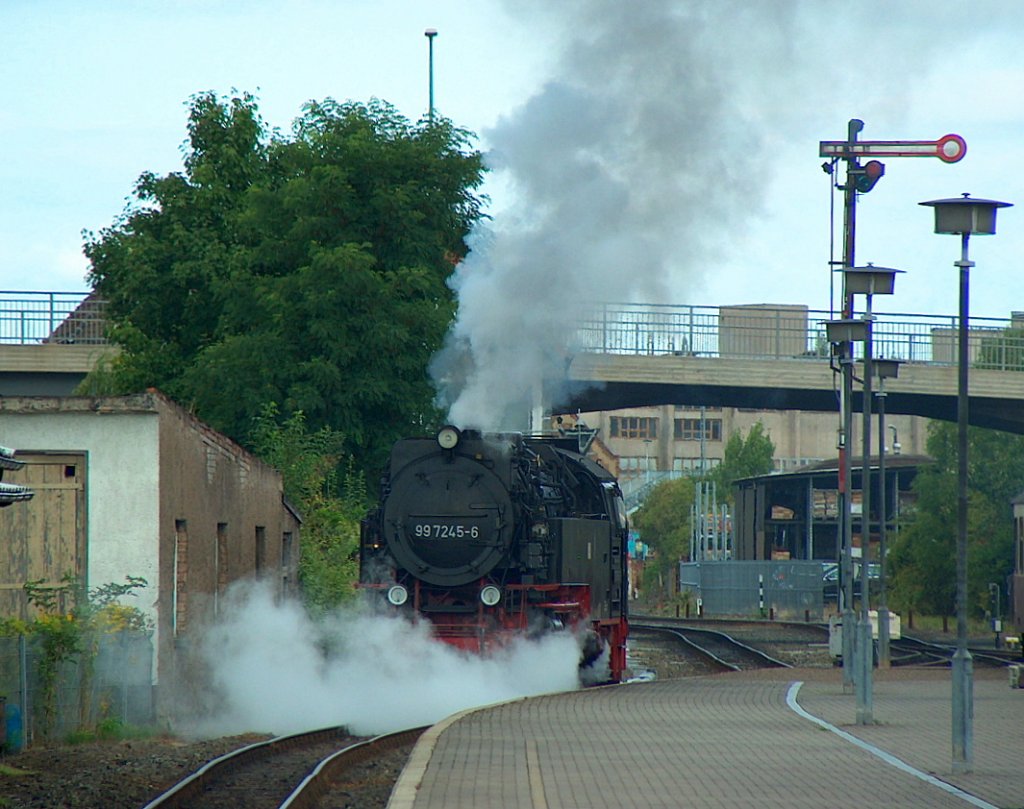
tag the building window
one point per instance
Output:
(220, 565)
(631, 465)
(690, 429)
(286, 562)
(261, 549)
(179, 603)
(633, 427)
(691, 466)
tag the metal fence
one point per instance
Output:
(31, 318)
(115, 685)
(782, 589)
(790, 332)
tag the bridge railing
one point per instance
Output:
(32, 318)
(790, 332)
(747, 331)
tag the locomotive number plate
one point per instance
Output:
(444, 530)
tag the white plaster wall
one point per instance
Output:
(122, 487)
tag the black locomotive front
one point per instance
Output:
(493, 535)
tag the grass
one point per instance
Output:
(8, 771)
(111, 730)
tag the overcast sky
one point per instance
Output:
(699, 120)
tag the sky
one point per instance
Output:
(658, 150)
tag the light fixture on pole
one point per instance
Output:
(963, 216)
(430, 33)
(884, 369)
(867, 281)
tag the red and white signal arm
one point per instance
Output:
(949, 148)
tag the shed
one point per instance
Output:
(136, 486)
(795, 515)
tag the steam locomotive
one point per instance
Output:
(494, 536)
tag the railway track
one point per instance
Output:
(910, 651)
(287, 772)
(716, 650)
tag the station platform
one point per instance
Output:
(779, 738)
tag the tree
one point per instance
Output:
(923, 554)
(744, 458)
(665, 523)
(308, 271)
(331, 509)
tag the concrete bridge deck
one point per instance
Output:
(612, 381)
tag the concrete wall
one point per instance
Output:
(222, 518)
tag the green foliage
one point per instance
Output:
(665, 523)
(110, 730)
(331, 510)
(308, 270)
(67, 627)
(744, 458)
(923, 555)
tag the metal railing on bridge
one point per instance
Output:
(757, 331)
(33, 318)
(790, 332)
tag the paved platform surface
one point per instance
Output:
(786, 738)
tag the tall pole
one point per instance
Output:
(963, 664)
(846, 416)
(865, 655)
(883, 517)
(430, 33)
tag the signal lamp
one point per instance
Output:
(870, 174)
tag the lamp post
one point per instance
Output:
(867, 281)
(430, 33)
(842, 334)
(884, 369)
(963, 216)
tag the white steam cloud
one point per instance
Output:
(275, 670)
(620, 170)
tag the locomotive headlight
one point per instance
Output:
(490, 595)
(448, 437)
(398, 595)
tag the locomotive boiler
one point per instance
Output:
(492, 536)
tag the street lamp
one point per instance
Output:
(963, 215)
(430, 33)
(884, 369)
(867, 281)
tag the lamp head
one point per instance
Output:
(965, 215)
(869, 280)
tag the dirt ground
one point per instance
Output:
(95, 775)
